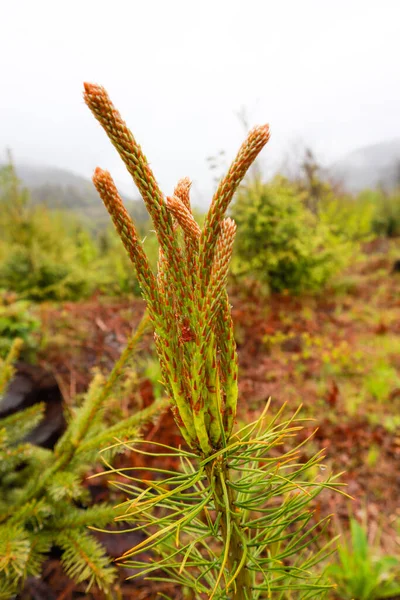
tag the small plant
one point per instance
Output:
(43, 501)
(17, 321)
(381, 380)
(360, 573)
(236, 521)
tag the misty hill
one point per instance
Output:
(62, 189)
(369, 167)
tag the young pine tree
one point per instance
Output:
(235, 522)
(43, 500)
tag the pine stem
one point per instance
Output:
(240, 582)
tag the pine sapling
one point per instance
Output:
(234, 523)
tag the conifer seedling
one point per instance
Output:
(235, 521)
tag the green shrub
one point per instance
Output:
(349, 218)
(386, 221)
(34, 273)
(280, 241)
(16, 320)
(42, 254)
(50, 255)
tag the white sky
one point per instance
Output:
(325, 72)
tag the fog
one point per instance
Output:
(323, 74)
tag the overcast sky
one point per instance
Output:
(321, 72)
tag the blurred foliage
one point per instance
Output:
(50, 255)
(17, 321)
(348, 218)
(382, 380)
(362, 575)
(281, 241)
(295, 234)
(386, 216)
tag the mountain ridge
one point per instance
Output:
(63, 189)
(369, 166)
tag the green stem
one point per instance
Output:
(240, 578)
